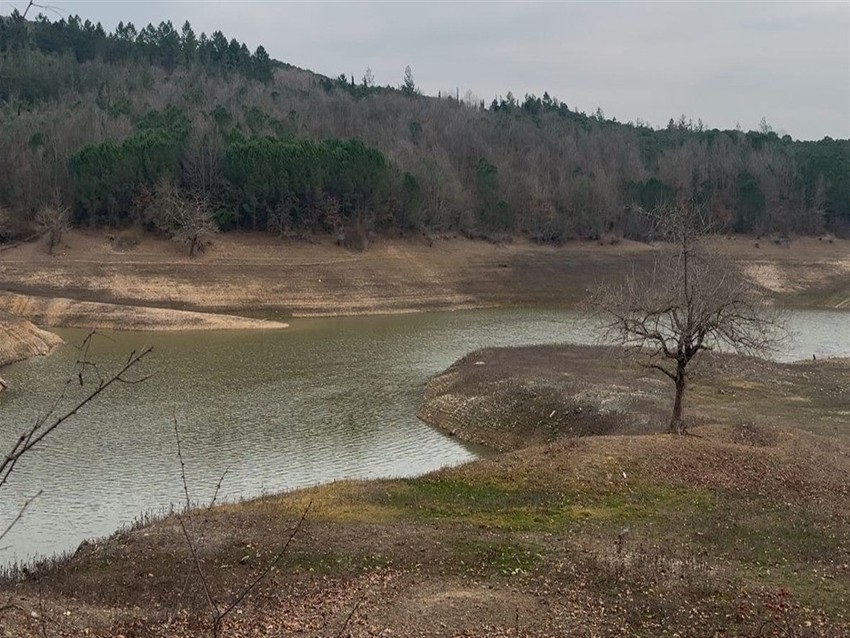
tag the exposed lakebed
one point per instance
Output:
(327, 399)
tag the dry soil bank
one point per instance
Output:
(252, 275)
(20, 339)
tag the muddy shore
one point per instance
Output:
(254, 281)
(257, 276)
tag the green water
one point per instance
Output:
(324, 400)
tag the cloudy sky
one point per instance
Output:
(724, 62)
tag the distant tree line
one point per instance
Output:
(98, 122)
(82, 41)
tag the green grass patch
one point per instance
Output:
(772, 536)
(534, 510)
(476, 504)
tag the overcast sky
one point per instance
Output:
(724, 62)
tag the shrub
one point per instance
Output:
(127, 239)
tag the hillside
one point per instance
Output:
(123, 128)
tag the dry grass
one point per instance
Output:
(20, 339)
(647, 534)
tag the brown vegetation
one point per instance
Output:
(739, 527)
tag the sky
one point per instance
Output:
(727, 63)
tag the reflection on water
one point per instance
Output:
(325, 400)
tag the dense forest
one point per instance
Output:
(119, 127)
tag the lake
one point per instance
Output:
(327, 399)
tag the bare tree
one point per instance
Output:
(202, 156)
(689, 301)
(53, 222)
(186, 218)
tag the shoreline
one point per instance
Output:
(21, 340)
(479, 541)
(254, 281)
(62, 312)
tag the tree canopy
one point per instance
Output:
(91, 119)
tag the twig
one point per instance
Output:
(45, 425)
(349, 617)
(217, 613)
(42, 621)
(20, 514)
(269, 567)
(218, 486)
(214, 610)
(47, 7)
(182, 464)
(37, 433)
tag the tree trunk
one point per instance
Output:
(677, 421)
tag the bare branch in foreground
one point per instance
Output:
(216, 612)
(349, 617)
(20, 514)
(47, 424)
(218, 487)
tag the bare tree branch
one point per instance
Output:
(47, 7)
(47, 424)
(20, 514)
(187, 218)
(218, 613)
(270, 565)
(53, 222)
(218, 487)
(349, 617)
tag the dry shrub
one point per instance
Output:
(127, 239)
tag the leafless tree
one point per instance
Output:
(53, 222)
(186, 218)
(201, 161)
(686, 303)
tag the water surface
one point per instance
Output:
(327, 399)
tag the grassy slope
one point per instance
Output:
(640, 535)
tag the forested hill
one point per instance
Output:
(117, 126)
